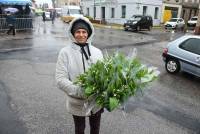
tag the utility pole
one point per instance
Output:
(197, 28)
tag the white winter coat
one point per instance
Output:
(69, 66)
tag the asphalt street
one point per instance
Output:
(32, 104)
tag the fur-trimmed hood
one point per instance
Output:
(86, 20)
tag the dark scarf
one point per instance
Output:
(82, 46)
(83, 52)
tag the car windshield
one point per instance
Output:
(193, 18)
(75, 11)
(47, 13)
(136, 18)
(173, 20)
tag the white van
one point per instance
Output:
(68, 13)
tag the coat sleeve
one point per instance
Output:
(62, 78)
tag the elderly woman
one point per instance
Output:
(73, 60)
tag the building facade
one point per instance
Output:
(190, 8)
(171, 9)
(60, 3)
(118, 11)
(179, 8)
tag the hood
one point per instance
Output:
(171, 23)
(85, 20)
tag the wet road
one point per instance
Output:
(9, 122)
(31, 103)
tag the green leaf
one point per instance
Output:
(115, 79)
(113, 103)
(88, 91)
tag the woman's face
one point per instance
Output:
(81, 35)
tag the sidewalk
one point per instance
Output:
(19, 35)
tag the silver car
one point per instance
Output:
(183, 54)
(175, 23)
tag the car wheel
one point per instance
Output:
(150, 27)
(138, 28)
(125, 29)
(172, 66)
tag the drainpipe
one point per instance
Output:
(94, 12)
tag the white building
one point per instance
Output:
(61, 3)
(118, 11)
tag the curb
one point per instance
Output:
(107, 26)
(118, 27)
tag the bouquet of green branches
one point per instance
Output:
(115, 79)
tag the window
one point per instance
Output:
(156, 13)
(88, 11)
(144, 10)
(191, 45)
(112, 12)
(183, 14)
(179, 20)
(103, 13)
(123, 11)
(74, 11)
(94, 12)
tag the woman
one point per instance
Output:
(73, 60)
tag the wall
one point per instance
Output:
(171, 5)
(132, 7)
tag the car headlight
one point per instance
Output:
(134, 22)
(173, 25)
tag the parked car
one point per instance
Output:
(183, 54)
(138, 22)
(192, 22)
(175, 23)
